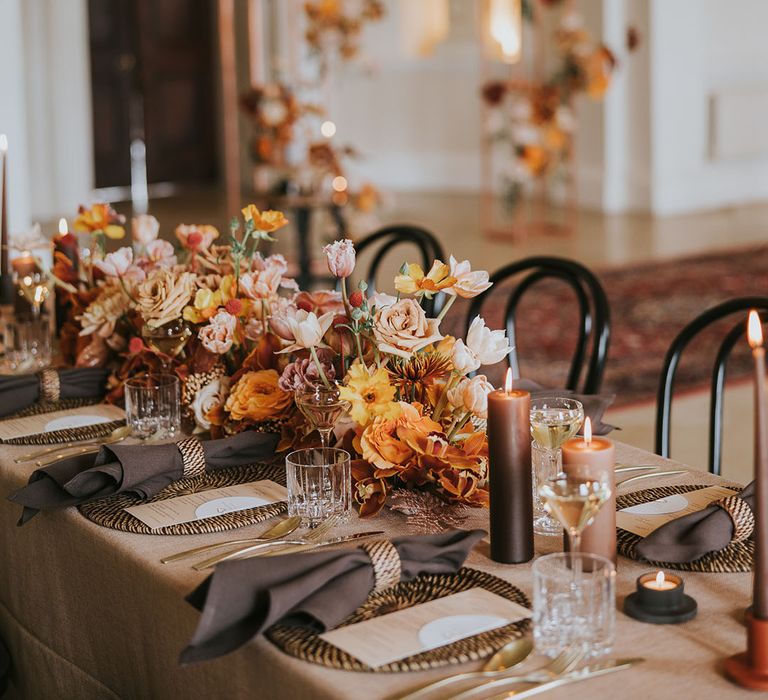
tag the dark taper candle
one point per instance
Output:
(510, 486)
(760, 597)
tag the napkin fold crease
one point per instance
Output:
(243, 598)
(692, 536)
(143, 470)
(17, 392)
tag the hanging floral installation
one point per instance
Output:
(534, 120)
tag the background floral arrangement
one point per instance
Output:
(243, 339)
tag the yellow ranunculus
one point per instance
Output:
(414, 281)
(256, 396)
(204, 306)
(100, 218)
(370, 395)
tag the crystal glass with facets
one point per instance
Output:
(319, 483)
(152, 406)
(554, 420)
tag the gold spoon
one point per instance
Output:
(278, 530)
(510, 655)
(116, 435)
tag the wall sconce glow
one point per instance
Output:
(63, 228)
(327, 129)
(505, 28)
(339, 183)
(3, 143)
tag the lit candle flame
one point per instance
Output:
(588, 431)
(508, 381)
(660, 579)
(63, 229)
(39, 295)
(3, 143)
(327, 129)
(754, 330)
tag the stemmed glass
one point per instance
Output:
(554, 420)
(322, 406)
(35, 287)
(575, 502)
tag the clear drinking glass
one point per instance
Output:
(27, 345)
(322, 407)
(569, 611)
(152, 405)
(319, 484)
(554, 420)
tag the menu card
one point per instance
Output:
(208, 504)
(60, 420)
(643, 519)
(400, 634)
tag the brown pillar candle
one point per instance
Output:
(510, 486)
(593, 458)
(760, 594)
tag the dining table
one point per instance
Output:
(91, 612)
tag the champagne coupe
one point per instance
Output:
(168, 340)
(322, 407)
(554, 420)
(574, 502)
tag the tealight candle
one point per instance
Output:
(660, 598)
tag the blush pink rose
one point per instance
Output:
(219, 335)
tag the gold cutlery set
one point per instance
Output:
(500, 674)
(649, 469)
(271, 542)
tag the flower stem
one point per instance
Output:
(443, 398)
(125, 289)
(359, 347)
(447, 306)
(345, 298)
(319, 366)
(458, 426)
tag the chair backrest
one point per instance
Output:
(672, 360)
(594, 314)
(391, 237)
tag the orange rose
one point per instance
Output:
(256, 396)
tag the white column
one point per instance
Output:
(13, 113)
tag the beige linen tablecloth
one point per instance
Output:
(89, 612)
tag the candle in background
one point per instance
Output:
(6, 279)
(64, 246)
(760, 597)
(593, 458)
(510, 478)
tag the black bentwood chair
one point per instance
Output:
(672, 360)
(390, 237)
(594, 314)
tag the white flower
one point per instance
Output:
(219, 335)
(488, 346)
(116, 264)
(144, 229)
(209, 397)
(307, 329)
(472, 395)
(464, 360)
(468, 284)
(161, 253)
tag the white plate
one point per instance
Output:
(446, 630)
(219, 506)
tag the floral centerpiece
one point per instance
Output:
(244, 340)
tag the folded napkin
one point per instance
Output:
(139, 469)
(18, 392)
(242, 598)
(595, 405)
(692, 536)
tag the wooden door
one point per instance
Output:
(152, 69)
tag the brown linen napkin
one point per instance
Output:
(140, 469)
(18, 392)
(595, 405)
(691, 537)
(242, 598)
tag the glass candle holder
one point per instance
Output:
(27, 345)
(152, 406)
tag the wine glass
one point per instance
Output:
(167, 340)
(321, 406)
(575, 502)
(554, 420)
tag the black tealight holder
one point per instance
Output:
(658, 602)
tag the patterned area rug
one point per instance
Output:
(650, 303)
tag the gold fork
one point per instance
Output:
(312, 536)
